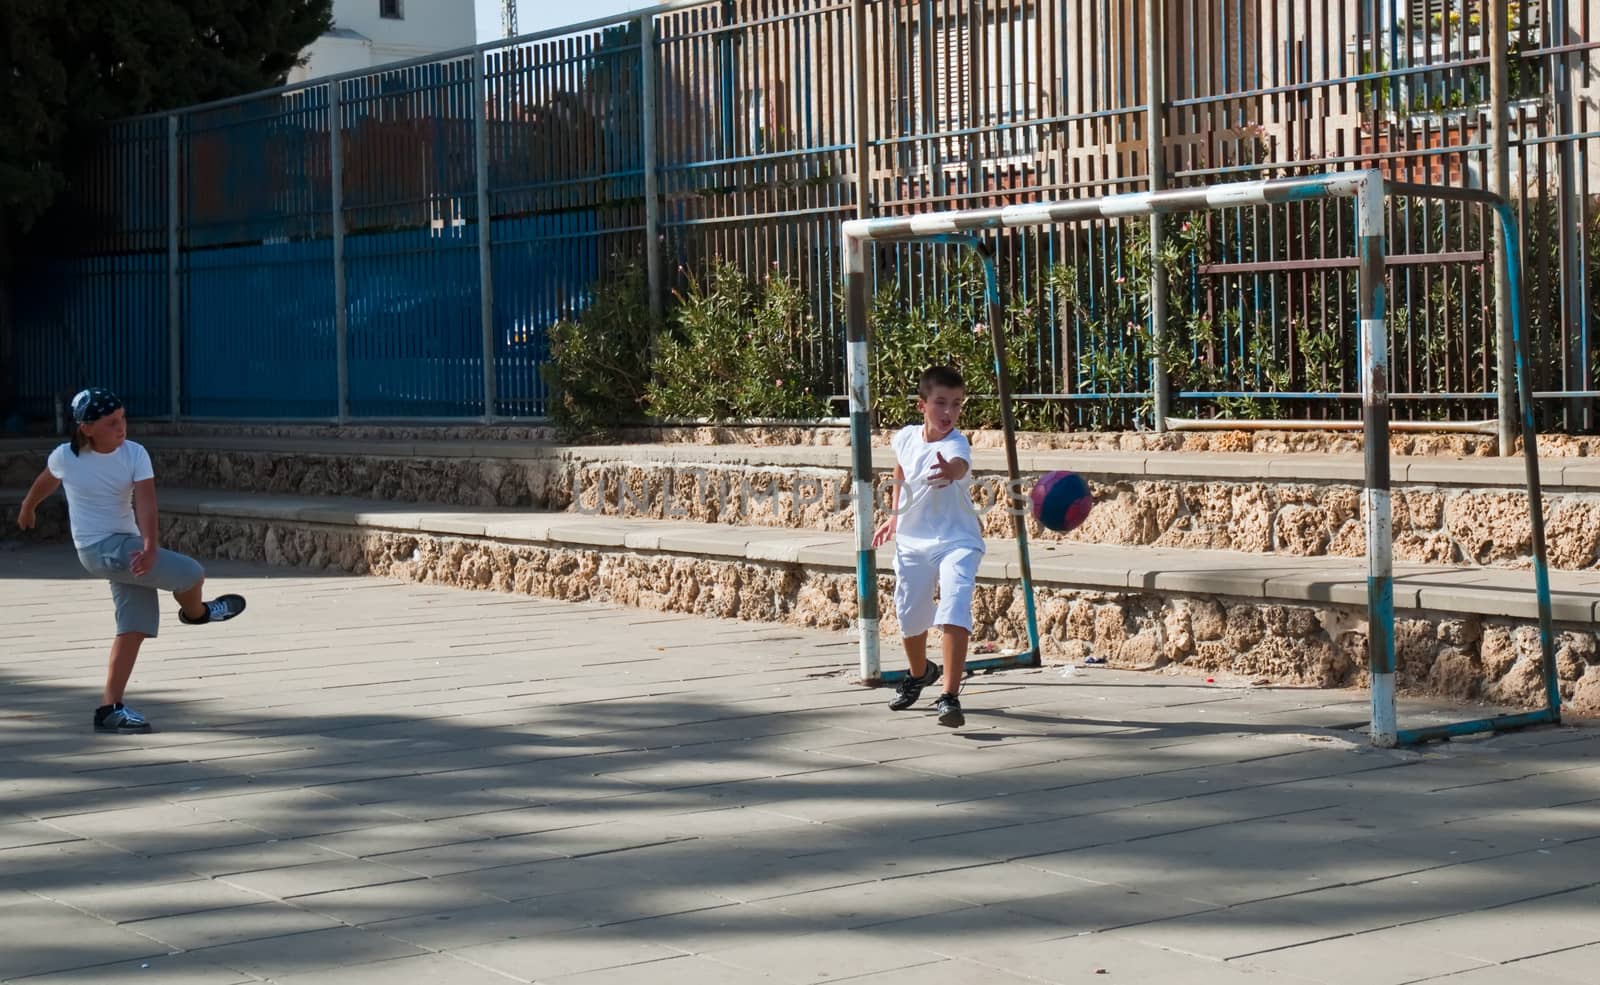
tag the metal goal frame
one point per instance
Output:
(1371, 192)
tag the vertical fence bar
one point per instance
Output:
(480, 137)
(1574, 319)
(977, 36)
(1500, 184)
(174, 275)
(906, 66)
(932, 151)
(1155, 55)
(341, 320)
(1375, 415)
(861, 485)
(858, 34)
(650, 99)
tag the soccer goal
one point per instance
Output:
(1371, 193)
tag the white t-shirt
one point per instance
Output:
(100, 489)
(933, 519)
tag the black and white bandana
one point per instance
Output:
(94, 403)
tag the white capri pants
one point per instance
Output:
(918, 573)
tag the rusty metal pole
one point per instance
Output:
(858, 30)
(174, 270)
(1575, 321)
(649, 71)
(1500, 184)
(1155, 98)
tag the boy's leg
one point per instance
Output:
(172, 570)
(923, 672)
(138, 618)
(955, 657)
(124, 653)
(191, 601)
(914, 580)
(913, 607)
(917, 653)
(958, 572)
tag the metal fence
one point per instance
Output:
(397, 243)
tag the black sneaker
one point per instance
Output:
(121, 719)
(220, 609)
(949, 708)
(910, 688)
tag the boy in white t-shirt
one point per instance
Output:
(111, 503)
(938, 542)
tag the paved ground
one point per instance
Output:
(365, 782)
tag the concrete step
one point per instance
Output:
(1463, 631)
(1557, 473)
(1467, 511)
(1442, 588)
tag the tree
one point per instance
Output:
(71, 66)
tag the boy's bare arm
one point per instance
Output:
(146, 514)
(148, 517)
(43, 488)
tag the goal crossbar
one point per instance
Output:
(1370, 191)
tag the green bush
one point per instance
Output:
(953, 331)
(735, 353)
(599, 367)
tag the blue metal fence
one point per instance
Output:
(363, 246)
(258, 332)
(100, 318)
(100, 311)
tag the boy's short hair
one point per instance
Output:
(945, 376)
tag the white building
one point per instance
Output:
(372, 32)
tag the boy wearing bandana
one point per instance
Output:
(111, 502)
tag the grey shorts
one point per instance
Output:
(138, 597)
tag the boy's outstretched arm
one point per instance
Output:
(43, 488)
(948, 470)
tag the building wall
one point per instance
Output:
(363, 38)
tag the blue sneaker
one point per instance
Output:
(120, 719)
(220, 609)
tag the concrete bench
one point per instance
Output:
(1464, 631)
(1557, 474)
(1439, 588)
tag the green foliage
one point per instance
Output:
(72, 67)
(1117, 342)
(736, 353)
(599, 366)
(952, 330)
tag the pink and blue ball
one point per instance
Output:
(1061, 500)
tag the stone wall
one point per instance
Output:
(1276, 442)
(1435, 525)
(1461, 657)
